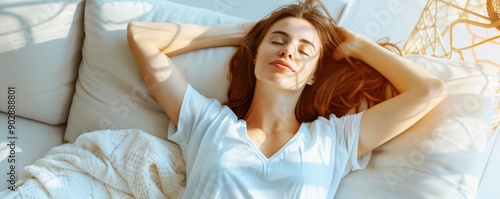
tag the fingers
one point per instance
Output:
(339, 29)
(341, 52)
(247, 26)
(343, 33)
(352, 48)
(352, 44)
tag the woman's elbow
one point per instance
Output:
(137, 33)
(435, 89)
(135, 38)
(131, 32)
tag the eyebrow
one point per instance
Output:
(287, 35)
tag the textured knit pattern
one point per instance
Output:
(106, 164)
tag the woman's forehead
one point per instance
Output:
(296, 27)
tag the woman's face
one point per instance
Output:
(288, 54)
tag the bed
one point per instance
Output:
(445, 155)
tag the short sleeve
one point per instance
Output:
(347, 132)
(196, 114)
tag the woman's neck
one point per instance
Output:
(272, 110)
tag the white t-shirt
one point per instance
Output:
(223, 162)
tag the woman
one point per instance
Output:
(278, 137)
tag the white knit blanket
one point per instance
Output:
(106, 164)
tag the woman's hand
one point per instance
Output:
(352, 44)
(247, 26)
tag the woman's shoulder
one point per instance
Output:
(333, 121)
(210, 107)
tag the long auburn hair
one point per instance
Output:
(339, 86)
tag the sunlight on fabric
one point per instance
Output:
(5, 151)
(11, 41)
(465, 179)
(463, 134)
(53, 182)
(114, 20)
(48, 21)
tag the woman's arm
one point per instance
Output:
(152, 43)
(420, 91)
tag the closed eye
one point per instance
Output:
(304, 53)
(300, 51)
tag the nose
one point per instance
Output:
(287, 51)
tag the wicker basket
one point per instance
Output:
(494, 10)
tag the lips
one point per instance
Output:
(282, 65)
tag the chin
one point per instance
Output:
(282, 82)
(287, 85)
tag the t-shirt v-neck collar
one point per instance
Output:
(292, 141)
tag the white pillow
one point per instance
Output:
(441, 155)
(110, 92)
(40, 43)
